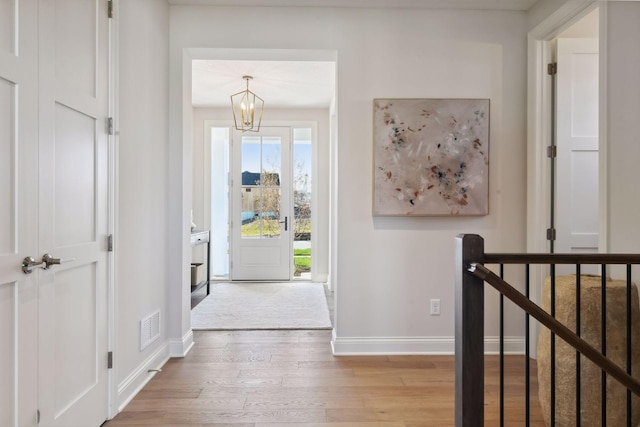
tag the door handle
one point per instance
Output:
(29, 263)
(50, 260)
(285, 222)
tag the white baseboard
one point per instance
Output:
(416, 345)
(321, 277)
(140, 376)
(135, 381)
(180, 348)
(512, 345)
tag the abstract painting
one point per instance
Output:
(431, 157)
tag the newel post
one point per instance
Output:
(469, 329)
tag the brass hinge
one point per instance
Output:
(551, 234)
(552, 68)
(110, 360)
(110, 9)
(552, 151)
(110, 126)
(110, 243)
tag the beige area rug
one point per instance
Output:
(237, 306)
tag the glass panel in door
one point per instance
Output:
(302, 191)
(260, 189)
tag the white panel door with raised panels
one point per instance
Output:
(53, 199)
(73, 212)
(18, 212)
(577, 139)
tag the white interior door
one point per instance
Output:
(18, 212)
(73, 212)
(261, 197)
(577, 140)
(53, 199)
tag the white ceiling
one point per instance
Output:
(420, 4)
(304, 84)
(298, 84)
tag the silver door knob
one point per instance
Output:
(29, 264)
(50, 260)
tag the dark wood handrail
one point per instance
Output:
(508, 258)
(556, 327)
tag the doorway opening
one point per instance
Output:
(263, 230)
(542, 133)
(284, 202)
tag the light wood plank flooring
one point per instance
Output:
(290, 378)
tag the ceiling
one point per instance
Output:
(301, 84)
(418, 4)
(298, 84)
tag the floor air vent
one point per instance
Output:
(149, 330)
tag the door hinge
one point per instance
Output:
(552, 68)
(110, 360)
(110, 126)
(110, 243)
(551, 234)
(38, 416)
(552, 151)
(110, 9)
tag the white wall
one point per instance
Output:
(389, 268)
(202, 171)
(622, 80)
(141, 236)
(587, 27)
(542, 9)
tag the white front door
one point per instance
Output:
(53, 89)
(577, 140)
(261, 224)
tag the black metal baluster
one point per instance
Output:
(527, 355)
(629, 342)
(578, 379)
(603, 326)
(553, 347)
(501, 351)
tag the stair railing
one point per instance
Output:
(469, 324)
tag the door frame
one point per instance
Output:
(291, 124)
(539, 127)
(113, 181)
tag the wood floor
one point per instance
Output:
(291, 378)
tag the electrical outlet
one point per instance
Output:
(435, 307)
